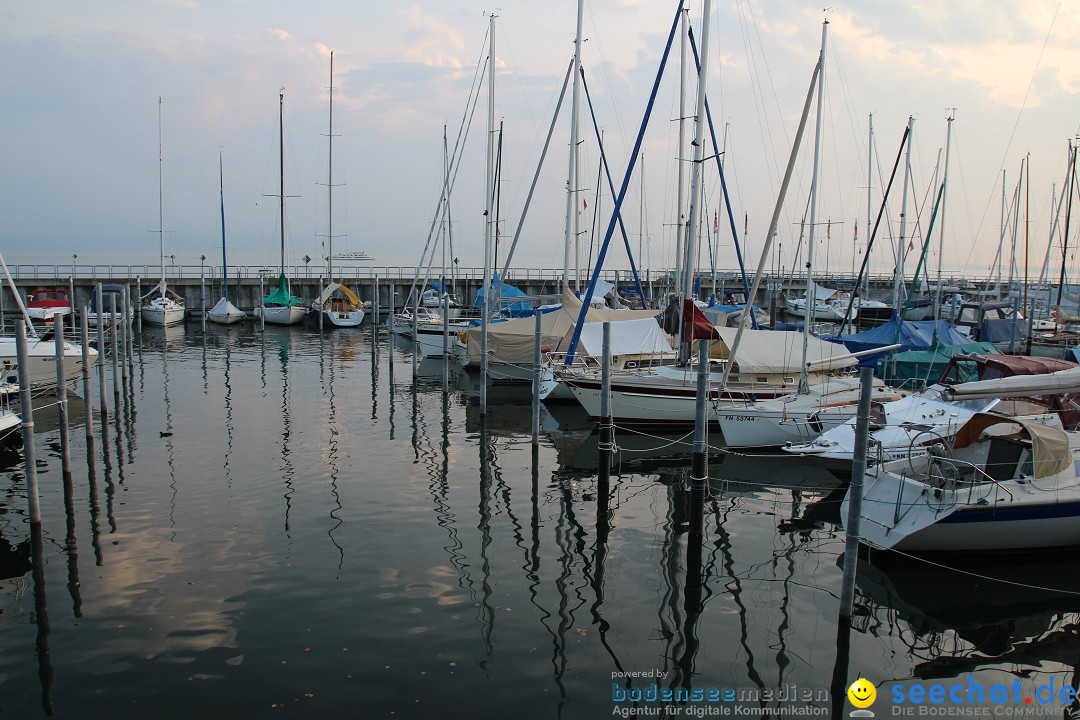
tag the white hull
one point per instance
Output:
(823, 312)
(280, 315)
(42, 361)
(429, 337)
(45, 315)
(796, 418)
(162, 317)
(93, 318)
(335, 318)
(1029, 519)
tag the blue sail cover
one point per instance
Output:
(505, 292)
(914, 335)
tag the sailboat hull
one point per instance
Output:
(335, 318)
(162, 314)
(225, 313)
(281, 315)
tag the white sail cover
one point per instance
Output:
(1056, 383)
(628, 337)
(225, 309)
(512, 341)
(779, 351)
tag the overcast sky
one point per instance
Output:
(80, 84)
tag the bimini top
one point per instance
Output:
(1049, 445)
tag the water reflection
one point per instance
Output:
(494, 560)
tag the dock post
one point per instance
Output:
(125, 330)
(138, 293)
(415, 337)
(606, 426)
(26, 409)
(99, 303)
(858, 473)
(61, 395)
(322, 289)
(445, 342)
(699, 464)
(262, 305)
(84, 337)
(115, 352)
(537, 340)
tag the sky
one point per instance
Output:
(80, 118)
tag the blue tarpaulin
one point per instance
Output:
(505, 293)
(914, 335)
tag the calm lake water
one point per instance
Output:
(286, 525)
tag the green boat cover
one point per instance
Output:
(915, 369)
(281, 296)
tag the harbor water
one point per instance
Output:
(287, 524)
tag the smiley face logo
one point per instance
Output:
(862, 693)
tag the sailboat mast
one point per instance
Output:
(330, 181)
(485, 310)
(281, 169)
(901, 250)
(571, 175)
(224, 261)
(811, 294)
(869, 196)
(941, 232)
(161, 212)
(1070, 176)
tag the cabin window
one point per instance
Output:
(762, 379)
(968, 316)
(789, 380)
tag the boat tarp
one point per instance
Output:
(334, 287)
(512, 341)
(224, 309)
(506, 293)
(628, 337)
(822, 294)
(924, 367)
(914, 335)
(1049, 445)
(281, 296)
(779, 351)
(1003, 330)
(1055, 383)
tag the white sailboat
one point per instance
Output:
(224, 312)
(338, 304)
(281, 307)
(161, 306)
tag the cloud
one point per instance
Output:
(432, 42)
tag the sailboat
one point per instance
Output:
(344, 309)
(281, 307)
(161, 306)
(224, 312)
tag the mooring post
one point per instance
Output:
(138, 292)
(537, 341)
(606, 426)
(26, 409)
(262, 305)
(415, 336)
(104, 409)
(699, 464)
(61, 395)
(115, 353)
(125, 331)
(322, 302)
(84, 338)
(855, 489)
(445, 342)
